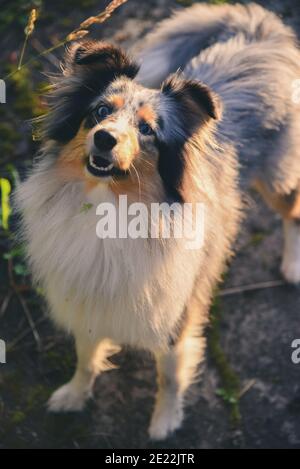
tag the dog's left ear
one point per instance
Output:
(89, 67)
(193, 97)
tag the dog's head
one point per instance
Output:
(112, 130)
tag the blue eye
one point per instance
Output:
(145, 129)
(103, 112)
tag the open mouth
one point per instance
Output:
(100, 167)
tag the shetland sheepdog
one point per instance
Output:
(209, 113)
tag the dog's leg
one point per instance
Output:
(289, 208)
(291, 255)
(177, 369)
(92, 360)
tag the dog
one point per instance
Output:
(159, 135)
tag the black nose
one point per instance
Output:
(104, 141)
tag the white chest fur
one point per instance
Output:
(132, 291)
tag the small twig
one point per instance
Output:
(30, 321)
(35, 59)
(18, 292)
(250, 288)
(22, 53)
(49, 346)
(247, 387)
(24, 334)
(5, 303)
(50, 57)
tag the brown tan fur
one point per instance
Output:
(147, 114)
(71, 158)
(117, 101)
(288, 206)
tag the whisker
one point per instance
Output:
(139, 181)
(95, 118)
(146, 161)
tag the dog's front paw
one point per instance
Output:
(68, 399)
(165, 421)
(291, 271)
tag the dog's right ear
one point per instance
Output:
(89, 67)
(101, 57)
(196, 100)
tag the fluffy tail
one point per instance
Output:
(178, 39)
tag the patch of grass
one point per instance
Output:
(12, 385)
(27, 103)
(36, 397)
(8, 136)
(230, 390)
(62, 362)
(21, 396)
(17, 417)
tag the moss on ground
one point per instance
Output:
(230, 384)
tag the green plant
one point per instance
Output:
(5, 187)
(230, 390)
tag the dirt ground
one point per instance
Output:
(256, 332)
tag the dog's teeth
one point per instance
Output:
(100, 168)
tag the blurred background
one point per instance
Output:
(249, 396)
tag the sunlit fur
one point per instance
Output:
(251, 60)
(228, 113)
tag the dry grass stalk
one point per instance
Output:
(31, 23)
(75, 35)
(28, 32)
(101, 18)
(104, 15)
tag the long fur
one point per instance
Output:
(249, 58)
